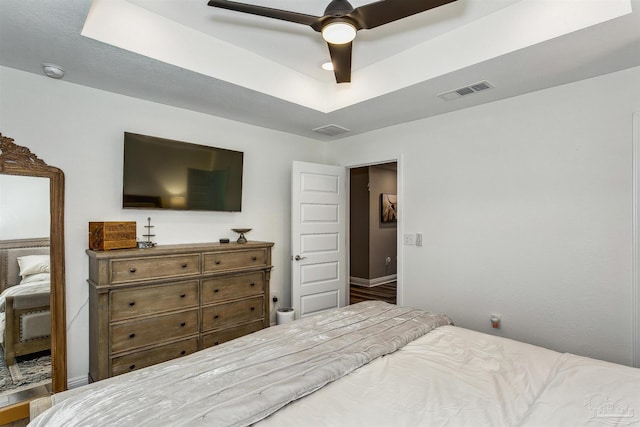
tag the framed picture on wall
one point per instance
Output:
(388, 207)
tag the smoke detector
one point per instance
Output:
(52, 70)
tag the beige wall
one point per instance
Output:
(371, 241)
(383, 242)
(359, 222)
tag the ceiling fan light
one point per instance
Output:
(339, 32)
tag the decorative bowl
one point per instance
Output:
(241, 239)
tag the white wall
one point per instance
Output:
(525, 205)
(80, 130)
(25, 207)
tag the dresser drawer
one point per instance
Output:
(147, 306)
(129, 303)
(152, 330)
(137, 269)
(221, 261)
(218, 337)
(232, 287)
(222, 315)
(131, 362)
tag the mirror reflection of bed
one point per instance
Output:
(25, 316)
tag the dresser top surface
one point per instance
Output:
(178, 249)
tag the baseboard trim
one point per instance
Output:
(370, 283)
(77, 382)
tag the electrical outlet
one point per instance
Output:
(418, 239)
(496, 320)
(409, 239)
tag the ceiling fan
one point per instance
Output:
(340, 22)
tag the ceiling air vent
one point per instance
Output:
(331, 130)
(464, 91)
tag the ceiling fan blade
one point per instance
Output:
(384, 11)
(341, 60)
(284, 15)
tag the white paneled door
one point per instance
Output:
(318, 236)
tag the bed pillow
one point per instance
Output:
(33, 264)
(38, 277)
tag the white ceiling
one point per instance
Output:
(300, 48)
(267, 72)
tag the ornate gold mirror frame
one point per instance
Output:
(17, 160)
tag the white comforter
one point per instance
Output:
(589, 391)
(43, 286)
(457, 377)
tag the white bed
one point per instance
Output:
(457, 377)
(292, 375)
(36, 288)
(25, 315)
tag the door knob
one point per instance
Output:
(298, 257)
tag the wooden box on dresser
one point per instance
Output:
(148, 306)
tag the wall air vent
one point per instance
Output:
(464, 91)
(331, 130)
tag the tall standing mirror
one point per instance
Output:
(32, 279)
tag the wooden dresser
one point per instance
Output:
(147, 306)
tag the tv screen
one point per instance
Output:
(165, 174)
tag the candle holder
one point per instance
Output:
(146, 244)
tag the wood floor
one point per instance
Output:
(386, 292)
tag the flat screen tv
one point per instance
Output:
(166, 174)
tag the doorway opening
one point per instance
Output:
(373, 233)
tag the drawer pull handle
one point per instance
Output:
(132, 367)
(184, 265)
(132, 270)
(216, 290)
(183, 324)
(252, 284)
(183, 352)
(253, 308)
(216, 343)
(183, 295)
(132, 303)
(217, 262)
(254, 258)
(216, 316)
(132, 335)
